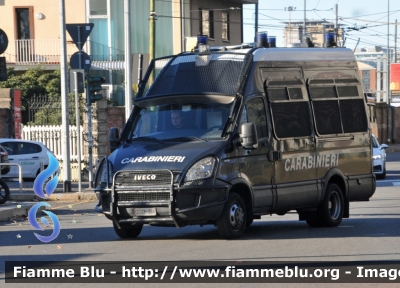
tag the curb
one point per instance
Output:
(12, 211)
(76, 196)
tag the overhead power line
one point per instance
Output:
(370, 21)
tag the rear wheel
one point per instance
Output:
(331, 209)
(232, 222)
(4, 192)
(128, 231)
(314, 221)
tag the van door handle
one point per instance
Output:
(274, 156)
(35, 157)
(10, 159)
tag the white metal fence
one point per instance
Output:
(50, 136)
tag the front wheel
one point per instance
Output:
(4, 192)
(232, 222)
(127, 231)
(331, 210)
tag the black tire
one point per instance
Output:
(249, 221)
(4, 192)
(128, 231)
(331, 210)
(383, 175)
(232, 222)
(314, 221)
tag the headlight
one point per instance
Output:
(376, 157)
(201, 170)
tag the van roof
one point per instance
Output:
(303, 54)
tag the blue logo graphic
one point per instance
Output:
(50, 187)
(32, 220)
(44, 175)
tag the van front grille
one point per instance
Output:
(143, 186)
(143, 196)
(143, 178)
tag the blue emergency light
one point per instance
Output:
(330, 39)
(272, 41)
(202, 43)
(262, 40)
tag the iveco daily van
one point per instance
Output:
(225, 137)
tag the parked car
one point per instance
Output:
(4, 159)
(379, 156)
(28, 154)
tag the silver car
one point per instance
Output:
(379, 156)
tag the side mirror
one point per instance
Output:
(248, 136)
(384, 146)
(113, 138)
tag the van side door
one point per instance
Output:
(295, 175)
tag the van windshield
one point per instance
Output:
(183, 122)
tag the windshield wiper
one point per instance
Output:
(147, 138)
(190, 138)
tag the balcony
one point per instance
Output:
(21, 54)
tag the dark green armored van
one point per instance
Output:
(225, 137)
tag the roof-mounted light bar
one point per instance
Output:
(330, 40)
(262, 40)
(202, 44)
(272, 41)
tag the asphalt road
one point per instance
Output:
(371, 233)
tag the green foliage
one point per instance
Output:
(52, 115)
(37, 81)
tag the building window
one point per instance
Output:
(23, 23)
(225, 26)
(98, 7)
(207, 23)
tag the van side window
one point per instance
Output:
(338, 107)
(254, 112)
(290, 114)
(291, 119)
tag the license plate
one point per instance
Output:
(145, 211)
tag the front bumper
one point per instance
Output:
(181, 206)
(379, 166)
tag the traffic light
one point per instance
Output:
(94, 85)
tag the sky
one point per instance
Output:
(370, 17)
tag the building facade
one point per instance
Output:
(33, 31)
(295, 34)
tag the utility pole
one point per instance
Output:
(64, 102)
(336, 25)
(388, 77)
(128, 62)
(395, 41)
(256, 25)
(152, 48)
(290, 9)
(303, 40)
(183, 26)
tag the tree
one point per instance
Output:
(37, 81)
